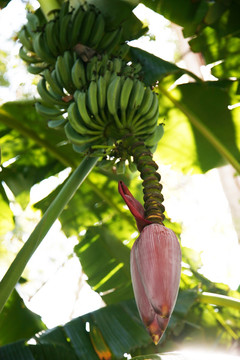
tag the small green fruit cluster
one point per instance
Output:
(43, 41)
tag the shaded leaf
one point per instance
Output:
(17, 321)
(119, 324)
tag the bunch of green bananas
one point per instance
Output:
(43, 41)
(98, 100)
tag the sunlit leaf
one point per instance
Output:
(105, 260)
(183, 145)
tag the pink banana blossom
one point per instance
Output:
(155, 269)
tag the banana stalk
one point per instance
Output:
(13, 274)
(48, 7)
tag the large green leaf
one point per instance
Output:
(17, 321)
(154, 68)
(200, 131)
(105, 260)
(23, 118)
(35, 151)
(187, 13)
(119, 325)
(224, 49)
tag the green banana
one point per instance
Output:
(29, 59)
(53, 82)
(92, 101)
(77, 138)
(69, 58)
(46, 111)
(91, 70)
(33, 69)
(102, 96)
(108, 38)
(153, 140)
(116, 40)
(64, 29)
(51, 31)
(63, 10)
(81, 100)
(124, 97)
(77, 123)
(151, 113)
(97, 31)
(56, 123)
(87, 26)
(63, 71)
(40, 48)
(77, 20)
(145, 105)
(24, 38)
(113, 95)
(33, 23)
(122, 51)
(135, 99)
(78, 74)
(117, 65)
(47, 96)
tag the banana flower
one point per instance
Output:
(155, 269)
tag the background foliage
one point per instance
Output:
(201, 133)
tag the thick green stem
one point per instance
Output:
(216, 143)
(48, 7)
(13, 274)
(219, 300)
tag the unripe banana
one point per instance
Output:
(29, 59)
(97, 31)
(53, 82)
(113, 95)
(49, 112)
(64, 30)
(25, 39)
(135, 99)
(78, 74)
(145, 106)
(47, 96)
(77, 138)
(77, 123)
(77, 23)
(56, 123)
(81, 100)
(41, 49)
(88, 22)
(51, 31)
(124, 98)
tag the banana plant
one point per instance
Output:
(103, 97)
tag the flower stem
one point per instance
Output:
(14, 272)
(152, 188)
